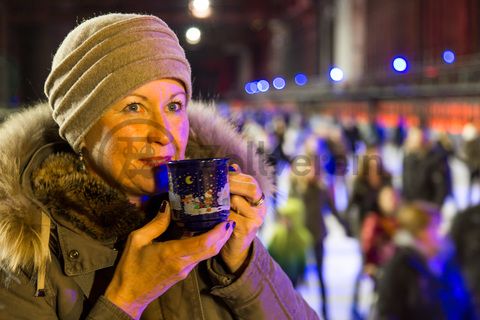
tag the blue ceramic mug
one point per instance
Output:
(199, 193)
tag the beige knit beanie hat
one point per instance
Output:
(105, 58)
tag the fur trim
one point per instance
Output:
(83, 199)
(20, 135)
(24, 132)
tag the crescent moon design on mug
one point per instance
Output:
(188, 180)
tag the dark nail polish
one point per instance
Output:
(234, 225)
(163, 206)
(231, 168)
(227, 226)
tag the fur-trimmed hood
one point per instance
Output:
(23, 133)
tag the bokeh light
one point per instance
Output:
(336, 74)
(251, 87)
(193, 35)
(278, 83)
(400, 64)
(200, 8)
(263, 85)
(448, 56)
(301, 79)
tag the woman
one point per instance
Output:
(78, 220)
(372, 177)
(377, 233)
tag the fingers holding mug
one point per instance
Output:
(246, 186)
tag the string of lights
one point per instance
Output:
(336, 74)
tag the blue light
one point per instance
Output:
(251, 87)
(301, 79)
(336, 74)
(263, 85)
(400, 64)
(247, 88)
(278, 83)
(448, 56)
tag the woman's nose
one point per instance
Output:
(159, 130)
(159, 134)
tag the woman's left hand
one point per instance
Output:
(245, 192)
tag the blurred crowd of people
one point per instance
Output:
(419, 271)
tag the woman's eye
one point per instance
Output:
(132, 107)
(174, 106)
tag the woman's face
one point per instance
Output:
(144, 130)
(388, 201)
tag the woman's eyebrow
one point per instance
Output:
(177, 94)
(146, 99)
(139, 96)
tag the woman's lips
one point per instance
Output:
(155, 161)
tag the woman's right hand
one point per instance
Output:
(147, 269)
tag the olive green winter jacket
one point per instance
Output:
(54, 264)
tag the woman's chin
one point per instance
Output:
(148, 183)
(140, 188)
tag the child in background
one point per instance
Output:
(291, 240)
